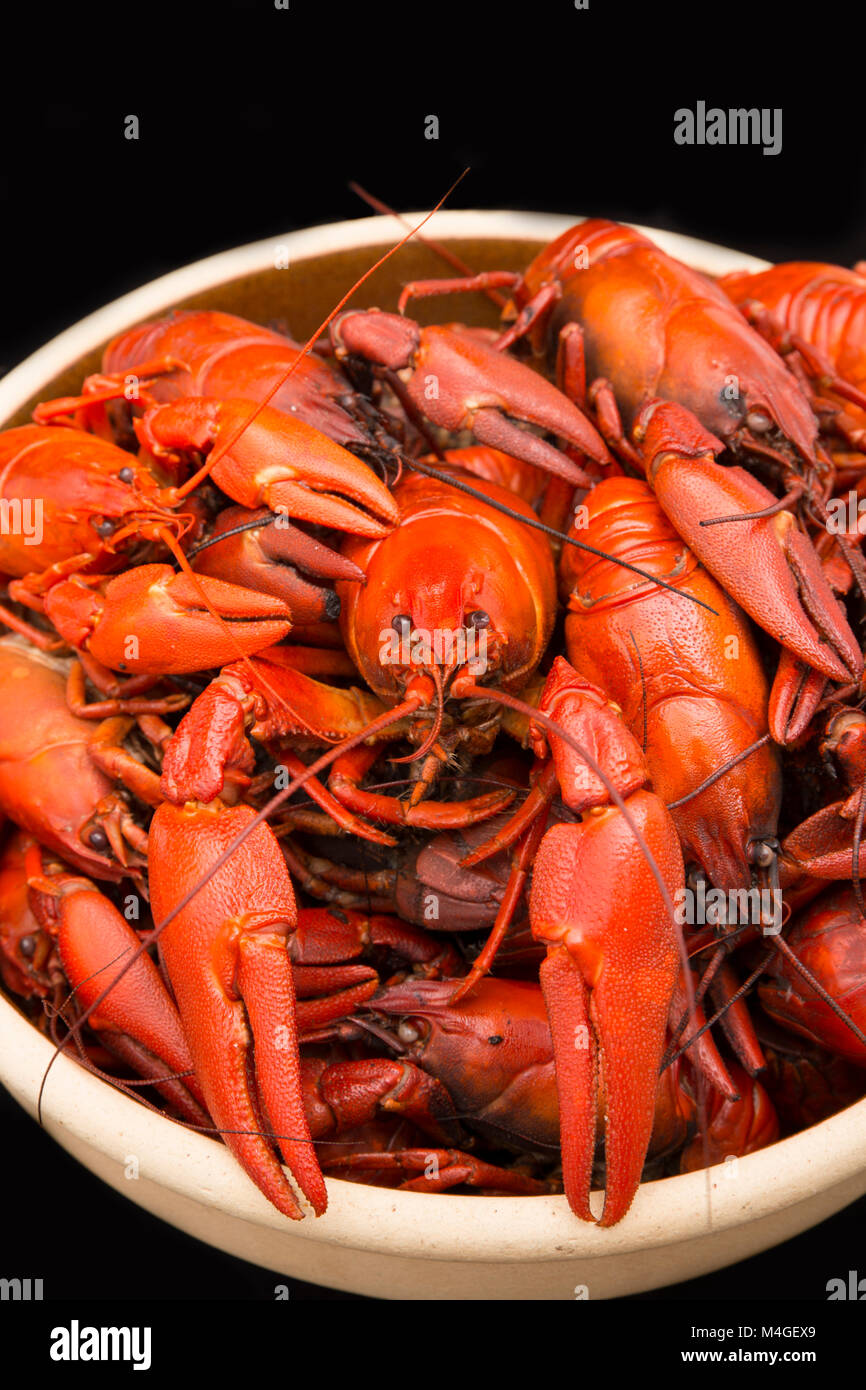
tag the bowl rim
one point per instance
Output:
(81, 1108)
(166, 290)
(94, 1115)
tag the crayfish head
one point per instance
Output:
(827, 939)
(135, 498)
(455, 588)
(747, 396)
(439, 620)
(492, 1050)
(775, 420)
(109, 844)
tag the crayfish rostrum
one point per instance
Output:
(412, 713)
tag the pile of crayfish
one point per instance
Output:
(436, 756)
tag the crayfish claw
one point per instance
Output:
(225, 952)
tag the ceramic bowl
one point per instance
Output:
(372, 1240)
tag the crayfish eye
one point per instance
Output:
(408, 1033)
(97, 838)
(402, 624)
(103, 526)
(761, 853)
(126, 475)
(478, 619)
(27, 946)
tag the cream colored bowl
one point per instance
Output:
(371, 1240)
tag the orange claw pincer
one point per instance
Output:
(747, 540)
(152, 621)
(261, 457)
(226, 954)
(598, 904)
(459, 382)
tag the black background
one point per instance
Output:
(252, 122)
